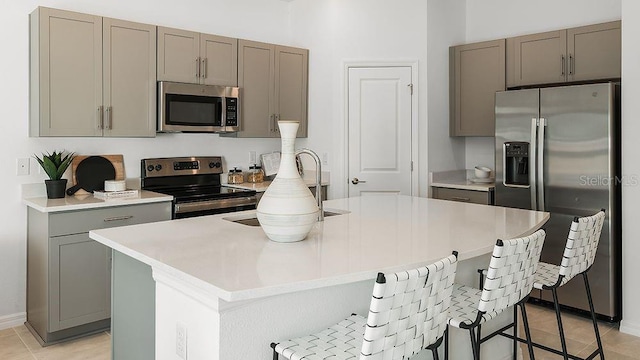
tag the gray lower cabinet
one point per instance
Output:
(133, 309)
(462, 195)
(69, 274)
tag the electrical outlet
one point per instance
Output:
(22, 166)
(181, 341)
(252, 157)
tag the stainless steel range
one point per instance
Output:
(194, 183)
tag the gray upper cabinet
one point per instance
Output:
(273, 80)
(594, 52)
(91, 76)
(537, 58)
(191, 57)
(584, 53)
(476, 72)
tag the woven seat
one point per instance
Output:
(579, 254)
(509, 281)
(408, 313)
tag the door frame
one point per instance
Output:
(413, 64)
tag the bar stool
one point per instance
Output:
(579, 254)
(408, 313)
(509, 281)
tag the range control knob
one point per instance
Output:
(158, 167)
(150, 168)
(212, 165)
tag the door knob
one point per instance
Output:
(356, 181)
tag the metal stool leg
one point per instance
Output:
(515, 332)
(434, 352)
(593, 314)
(525, 323)
(275, 354)
(446, 343)
(563, 341)
(475, 346)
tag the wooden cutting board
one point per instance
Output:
(116, 160)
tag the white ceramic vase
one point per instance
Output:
(287, 211)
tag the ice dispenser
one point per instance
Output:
(516, 162)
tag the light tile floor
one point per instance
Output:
(581, 340)
(18, 343)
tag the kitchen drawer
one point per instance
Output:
(471, 196)
(80, 221)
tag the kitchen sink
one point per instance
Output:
(253, 220)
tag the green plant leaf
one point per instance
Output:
(54, 164)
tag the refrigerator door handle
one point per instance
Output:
(540, 164)
(533, 165)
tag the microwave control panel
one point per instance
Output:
(231, 112)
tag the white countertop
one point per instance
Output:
(88, 201)
(380, 233)
(459, 179)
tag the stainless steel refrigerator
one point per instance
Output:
(557, 150)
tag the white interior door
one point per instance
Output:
(379, 101)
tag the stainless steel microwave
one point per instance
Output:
(198, 108)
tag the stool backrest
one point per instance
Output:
(409, 310)
(582, 245)
(511, 272)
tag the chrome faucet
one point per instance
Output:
(316, 158)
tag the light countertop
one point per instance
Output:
(88, 201)
(379, 233)
(460, 179)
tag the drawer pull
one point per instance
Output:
(457, 198)
(119, 218)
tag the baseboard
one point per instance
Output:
(13, 320)
(629, 328)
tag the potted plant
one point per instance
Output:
(55, 164)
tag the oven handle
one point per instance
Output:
(214, 204)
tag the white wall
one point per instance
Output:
(446, 27)
(495, 19)
(630, 166)
(357, 30)
(221, 17)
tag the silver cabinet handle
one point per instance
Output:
(571, 64)
(562, 66)
(463, 199)
(108, 124)
(119, 218)
(272, 118)
(203, 68)
(100, 117)
(356, 181)
(197, 67)
(277, 117)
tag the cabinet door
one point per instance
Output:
(66, 73)
(594, 52)
(470, 196)
(291, 76)
(79, 281)
(256, 78)
(178, 55)
(219, 60)
(129, 78)
(537, 59)
(477, 71)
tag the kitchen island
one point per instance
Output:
(234, 291)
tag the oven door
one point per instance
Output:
(211, 207)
